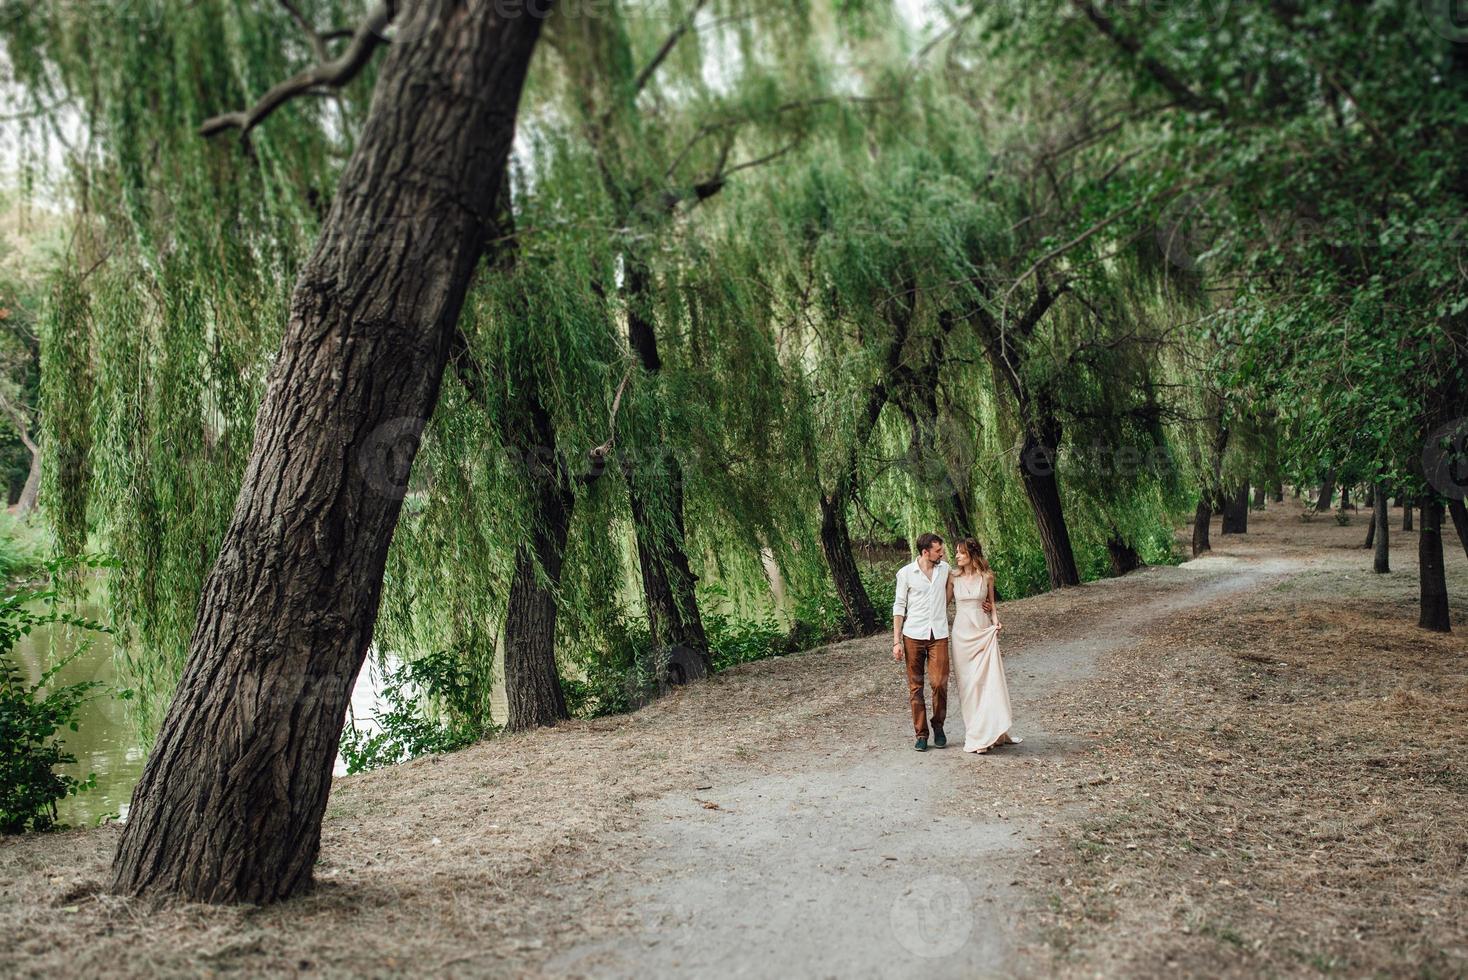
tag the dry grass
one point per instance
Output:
(1277, 786)
(478, 862)
(1286, 785)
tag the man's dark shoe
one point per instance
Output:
(939, 739)
(922, 745)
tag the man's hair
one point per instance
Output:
(926, 541)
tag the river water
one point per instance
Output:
(107, 741)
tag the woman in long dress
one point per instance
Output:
(974, 651)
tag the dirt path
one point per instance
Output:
(858, 856)
(775, 821)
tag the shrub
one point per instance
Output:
(431, 708)
(32, 714)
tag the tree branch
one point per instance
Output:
(330, 74)
(669, 43)
(1160, 73)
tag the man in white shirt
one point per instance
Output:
(920, 635)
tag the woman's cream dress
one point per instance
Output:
(974, 650)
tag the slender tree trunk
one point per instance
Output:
(1371, 528)
(1345, 497)
(1327, 491)
(1124, 557)
(1279, 491)
(230, 803)
(1381, 559)
(1236, 512)
(1432, 576)
(655, 493)
(1201, 517)
(861, 617)
(667, 579)
(1407, 514)
(1460, 522)
(32, 489)
(1037, 470)
(532, 681)
(1259, 497)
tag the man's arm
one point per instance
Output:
(899, 613)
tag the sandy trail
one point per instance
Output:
(857, 856)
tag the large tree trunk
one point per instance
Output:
(1460, 522)
(229, 806)
(1432, 577)
(1279, 491)
(1236, 512)
(1124, 557)
(1345, 497)
(1201, 517)
(532, 682)
(1037, 469)
(1381, 559)
(1327, 491)
(655, 493)
(861, 617)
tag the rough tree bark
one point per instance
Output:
(1201, 517)
(1236, 512)
(1037, 461)
(533, 692)
(1327, 491)
(1381, 558)
(861, 617)
(1431, 574)
(1124, 557)
(230, 803)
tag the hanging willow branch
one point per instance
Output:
(328, 74)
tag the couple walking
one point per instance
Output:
(920, 636)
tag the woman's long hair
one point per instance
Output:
(976, 556)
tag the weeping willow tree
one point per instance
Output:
(157, 339)
(288, 608)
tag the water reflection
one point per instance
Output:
(107, 741)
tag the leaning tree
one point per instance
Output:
(229, 806)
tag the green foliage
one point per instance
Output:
(24, 548)
(432, 707)
(31, 715)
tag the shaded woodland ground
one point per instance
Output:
(1248, 764)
